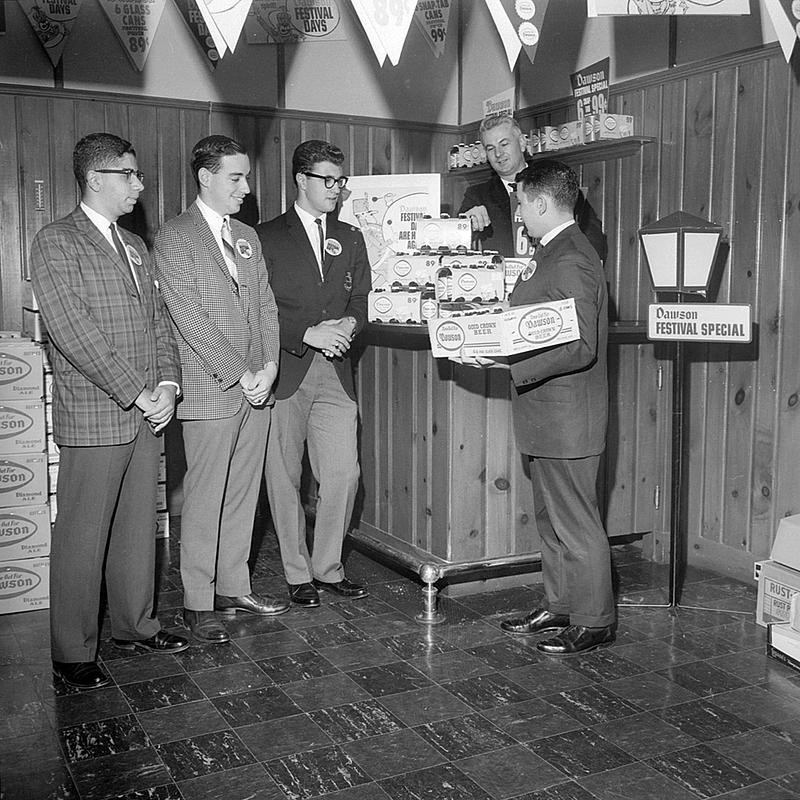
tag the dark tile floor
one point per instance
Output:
(356, 701)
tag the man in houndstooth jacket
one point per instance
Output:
(215, 284)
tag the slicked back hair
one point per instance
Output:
(552, 178)
(210, 151)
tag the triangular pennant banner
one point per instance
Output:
(228, 16)
(213, 31)
(432, 17)
(372, 34)
(135, 25)
(197, 25)
(508, 34)
(785, 18)
(522, 20)
(388, 21)
(293, 21)
(52, 23)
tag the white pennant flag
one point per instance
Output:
(508, 33)
(135, 25)
(388, 22)
(229, 16)
(784, 27)
(432, 17)
(214, 32)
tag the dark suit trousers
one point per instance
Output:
(576, 560)
(106, 525)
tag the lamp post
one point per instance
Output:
(681, 251)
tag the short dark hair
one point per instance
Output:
(209, 152)
(95, 151)
(553, 178)
(312, 152)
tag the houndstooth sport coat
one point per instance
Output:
(220, 335)
(106, 343)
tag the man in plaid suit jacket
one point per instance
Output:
(115, 376)
(214, 282)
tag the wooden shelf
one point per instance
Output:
(581, 154)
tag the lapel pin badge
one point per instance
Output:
(244, 248)
(527, 273)
(133, 255)
(332, 247)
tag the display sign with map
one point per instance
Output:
(388, 208)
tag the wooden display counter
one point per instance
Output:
(442, 479)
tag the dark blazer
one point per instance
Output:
(305, 299)
(220, 335)
(560, 394)
(107, 342)
(498, 236)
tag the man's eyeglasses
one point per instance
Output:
(330, 181)
(127, 172)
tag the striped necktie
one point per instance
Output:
(229, 252)
(120, 248)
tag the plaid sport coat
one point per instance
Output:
(106, 343)
(221, 334)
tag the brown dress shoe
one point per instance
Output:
(161, 642)
(304, 594)
(205, 627)
(261, 604)
(577, 639)
(538, 621)
(81, 674)
(343, 587)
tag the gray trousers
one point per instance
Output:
(106, 527)
(224, 463)
(576, 560)
(321, 415)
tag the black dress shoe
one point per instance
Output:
(304, 594)
(161, 642)
(343, 588)
(81, 674)
(577, 639)
(205, 627)
(537, 621)
(262, 604)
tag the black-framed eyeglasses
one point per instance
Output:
(330, 181)
(127, 172)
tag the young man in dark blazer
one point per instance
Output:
(560, 406)
(320, 274)
(115, 376)
(215, 285)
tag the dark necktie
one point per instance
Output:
(229, 253)
(321, 236)
(120, 248)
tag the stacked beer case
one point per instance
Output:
(24, 509)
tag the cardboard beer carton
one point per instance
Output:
(21, 369)
(400, 307)
(598, 127)
(450, 233)
(405, 270)
(505, 332)
(22, 426)
(24, 532)
(24, 585)
(470, 284)
(23, 479)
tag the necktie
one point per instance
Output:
(321, 236)
(229, 252)
(120, 248)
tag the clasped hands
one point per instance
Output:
(157, 405)
(257, 386)
(332, 337)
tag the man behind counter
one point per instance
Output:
(488, 204)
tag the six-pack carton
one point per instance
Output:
(779, 578)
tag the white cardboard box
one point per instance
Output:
(400, 307)
(776, 587)
(23, 479)
(783, 644)
(22, 426)
(21, 370)
(24, 532)
(24, 585)
(517, 330)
